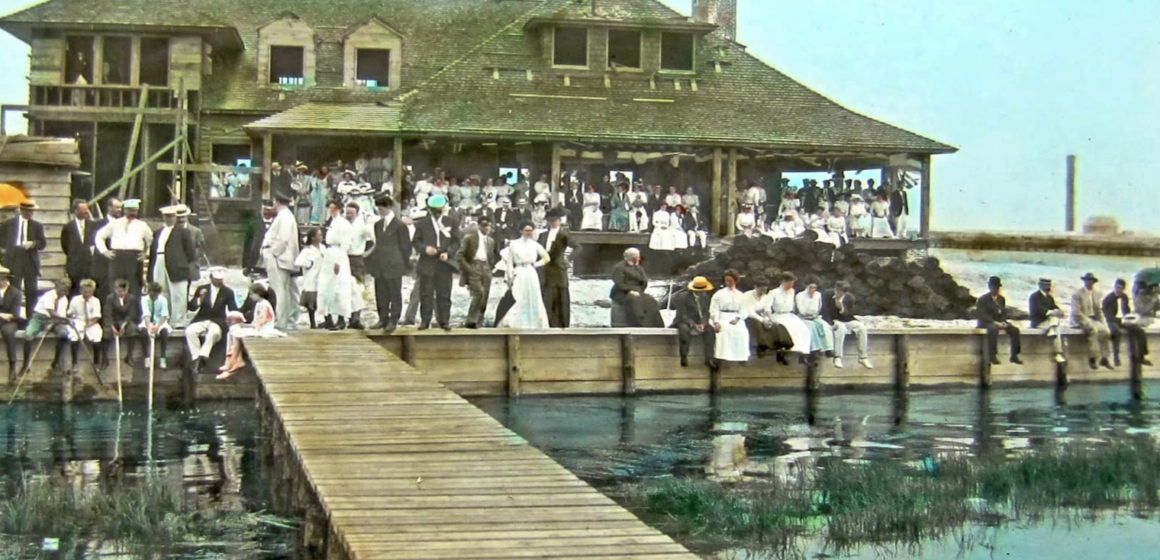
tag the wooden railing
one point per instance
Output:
(128, 97)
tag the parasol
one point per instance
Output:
(1149, 276)
(12, 196)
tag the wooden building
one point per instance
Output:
(44, 169)
(469, 86)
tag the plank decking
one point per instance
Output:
(404, 468)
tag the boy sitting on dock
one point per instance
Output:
(50, 316)
(155, 324)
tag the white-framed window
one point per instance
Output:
(287, 65)
(373, 67)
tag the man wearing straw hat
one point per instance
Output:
(126, 241)
(692, 319)
(11, 314)
(22, 241)
(1087, 314)
(170, 260)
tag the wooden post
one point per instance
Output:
(267, 161)
(1135, 371)
(188, 387)
(718, 201)
(985, 368)
(731, 195)
(409, 349)
(555, 179)
(138, 122)
(1061, 375)
(400, 172)
(513, 363)
(66, 384)
(628, 364)
(148, 175)
(1069, 219)
(924, 219)
(812, 374)
(902, 363)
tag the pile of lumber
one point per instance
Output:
(62, 152)
(883, 285)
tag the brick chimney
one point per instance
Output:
(722, 13)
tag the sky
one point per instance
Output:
(1016, 85)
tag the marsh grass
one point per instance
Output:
(888, 503)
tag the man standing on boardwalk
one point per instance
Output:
(77, 244)
(387, 263)
(170, 258)
(23, 240)
(554, 275)
(436, 240)
(125, 241)
(991, 310)
(1088, 315)
(279, 251)
(477, 257)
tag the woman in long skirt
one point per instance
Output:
(781, 307)
(809, 308)
(618, 217)
(727, 314)
(592, 216)
(660, 239)
(524, 256)
(335, 283)
(880, 218)
(263, 327)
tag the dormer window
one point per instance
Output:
(570, 47)
(624, 49)
(677, 52)
(286, 65)
(373, 67)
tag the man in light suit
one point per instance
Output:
(279, 251)
(477, 255)
(1087, 313)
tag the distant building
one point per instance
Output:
(1101, 225)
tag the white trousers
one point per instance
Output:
(193, 338)
(177, 292)
(286, 289)
(859, 330)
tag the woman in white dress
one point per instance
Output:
(335, 283)
(673, 199)
(593, 217)
(746, 222)
(677, 217)
(262, 327)
(524, 256)
(661, 239)
(727, 314)
(809, 308)
(781, 305)
(880, 218)
(859, 216)
(816, 223)
(836, 225)
(638, 221)
(788, 227)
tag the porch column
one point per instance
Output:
(924, 220)
(267, 161)
(400, 172)
(717, 200)
(731, 196)
(556, 170)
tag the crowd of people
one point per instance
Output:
(835, 212)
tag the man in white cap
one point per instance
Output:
(279, 251)
(126, 241)
(210, 303)
(170, 260)
(21, 240)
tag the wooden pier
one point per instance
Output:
(383, 462)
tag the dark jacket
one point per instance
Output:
(21, 261)
(444, 244)
(470, 245)
(1109, 305)
(555, 273)
(391, 254)
(1039, 305)
(12, 302)
(830, 311)
(692, 309)
(503, 222)
(627, 279)
(78, 250)
(180, 254)
(214, 311)
(114, 312)
(899, 203)
(990, 310)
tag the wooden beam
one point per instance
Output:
(924, 219)
(400, 172)
(212, 168)
(267, 160)
(108, 190)
(717, 200)
(134, 137)
(731, 195)
(902, 363)
(556, 170)
(628, 364)
(514, 374)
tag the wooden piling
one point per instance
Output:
(188, 387)
(66, 385)
(1061, 374)
(628, 364)
(902, 363)
(409, 350)
(1135, 371)
(513, 365)
(812, 374)
(985, 367)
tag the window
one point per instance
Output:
(286, 66)
(116, 57)
(677, 51)
(373, 67)
(78, 67)
(155, 61)
(231, 184)
(623, 49)
(570, 47)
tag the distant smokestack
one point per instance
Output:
(722, 13)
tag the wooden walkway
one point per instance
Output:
(402, 467)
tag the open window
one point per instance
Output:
(116, 60)
(677, 51)
(235, 183)
(286, 65)
(155, 61)
(78, 66)
(570, 47)
(373, 67)
(624, 49)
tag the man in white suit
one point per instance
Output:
(279, 251)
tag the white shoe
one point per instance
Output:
(838, 363)
(866, 363)
(1059, 359)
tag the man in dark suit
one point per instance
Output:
(170, 258)
(1118, 313)
(1046, 315)
(210, 304)
(522, 214)
(477, 257)
(692, 320)
(554, 276)
(899, 207)
(436, 240)
(23, 240)
(120, 317)
(76, 242)
(504, 223)
(387, 263)
(991, 310)
(11, 314)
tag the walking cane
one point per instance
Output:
(89, 355)
(39, 343)
(152, 360)
(117, 349)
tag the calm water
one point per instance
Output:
(208, 452)
(611, 440)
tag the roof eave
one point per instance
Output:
(222, 37)
(674, 25)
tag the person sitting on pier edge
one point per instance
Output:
(11, 315)
(122, 313)
(764, 334)
(991, 310)
(155, 324)
(1120, 320)
(727, 314)
(477, 256)
(780, 305)
(1046, 315)
(128, 240)
(210, 304)
(85, 313)
(263, 325)
(387, 263)
(692, 320)
(809, 308)
(838, 310)
(557, 241)
(436, 240)
(629, 282)
(1088, 315)
(50, 314)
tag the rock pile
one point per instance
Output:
(883, 285)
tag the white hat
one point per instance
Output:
(217, 273)
(182, 210)
(169, 211)
(132, 204)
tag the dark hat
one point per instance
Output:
(384, 200)
(1090, 276)
(554, 214)
(282, 197)
(1045, 281)
(994, 282)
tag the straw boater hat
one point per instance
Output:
(29, 205)
(183, 211)
(217, 273)
(1090, 276)
(169, 210)
(700, 284)
(4, 272)
(299, 166)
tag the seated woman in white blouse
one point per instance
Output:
(809, 308)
